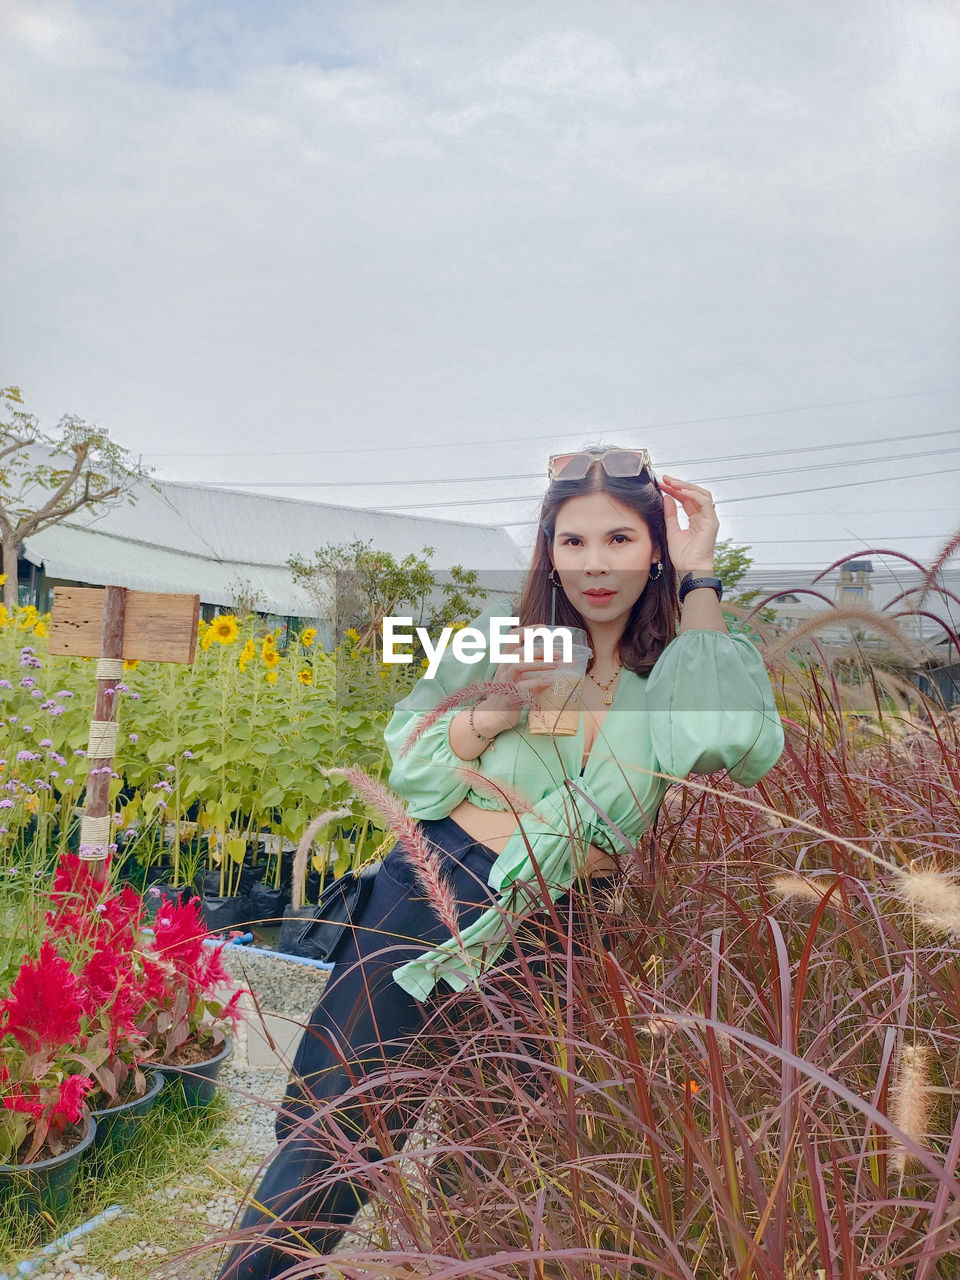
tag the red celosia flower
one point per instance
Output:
(45, 1006)
(154, 980)
(68, 1108)
(76, 890)
(178, 934)
(18, 1101)
(112, 988)
(122, 913)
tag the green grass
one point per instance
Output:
(174, 1155)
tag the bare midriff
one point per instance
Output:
(494, 827)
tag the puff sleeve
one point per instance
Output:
(712, 707)
(548, 830)
(426, 776)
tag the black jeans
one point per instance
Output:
(363, 1021)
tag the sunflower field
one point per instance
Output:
(211, 758)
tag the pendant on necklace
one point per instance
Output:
(607, 698)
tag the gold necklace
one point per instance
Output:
(605, 688)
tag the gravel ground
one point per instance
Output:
(205, 1200)
(282, 986)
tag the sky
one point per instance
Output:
(416, 246)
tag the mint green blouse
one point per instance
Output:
(707, 705)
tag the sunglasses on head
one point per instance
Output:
(619, 463)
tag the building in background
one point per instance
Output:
(226, 545)
(885, 585)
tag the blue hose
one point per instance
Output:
(62, 1242)
(278, 955)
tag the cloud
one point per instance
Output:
(253, 225)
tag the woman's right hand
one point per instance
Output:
(497, 711)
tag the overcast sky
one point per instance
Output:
(425, 241)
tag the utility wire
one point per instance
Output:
(689, 462)
(723, 502)
(562, 435)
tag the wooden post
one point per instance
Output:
(111, 624)
(97, 815)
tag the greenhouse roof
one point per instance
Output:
(180, 537)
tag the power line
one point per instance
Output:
(537, 475)
(562, 435)
(846, 537)
(724, 502)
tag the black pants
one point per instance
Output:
(363, 1021)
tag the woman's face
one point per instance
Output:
(603, 554)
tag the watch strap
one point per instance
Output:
(690, 583)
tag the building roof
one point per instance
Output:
(181, 537)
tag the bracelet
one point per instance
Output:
(482, 736)
(690, 583)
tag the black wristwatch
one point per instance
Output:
(690, 583)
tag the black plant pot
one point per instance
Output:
(44, 1187)
(312, 887)
(295, 920)
(161, 891)
(120, 1128)
(286, 868)
(196, 1085)
(221, 914)
(267, 903)
(210, 884)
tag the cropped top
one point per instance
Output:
(707, 705)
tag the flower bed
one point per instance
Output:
(97, 1002)
(216, 764)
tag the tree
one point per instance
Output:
(354, 585)
(36, 492)
(731, 563)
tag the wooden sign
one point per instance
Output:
(158, 627)
(115, 625)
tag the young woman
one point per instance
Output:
(668, 692)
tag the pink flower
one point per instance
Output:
(18, 1101)
(44, 1008)
(68, 1108)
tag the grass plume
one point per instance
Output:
(911, 1101)
(302, 855)
(422, 855)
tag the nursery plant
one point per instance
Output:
(45, 1078)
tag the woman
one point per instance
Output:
(657, 700)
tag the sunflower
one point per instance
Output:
(40, 630)
(353, 634)
(270, 657)
(308, 636)
(305, 676)
(272, 676)
(248, 652)
(224, 628)
(130, 664)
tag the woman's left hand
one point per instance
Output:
(691, 549)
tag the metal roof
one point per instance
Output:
(180, 537)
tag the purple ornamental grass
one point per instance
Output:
(747, 1065)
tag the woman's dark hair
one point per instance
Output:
(653, 619)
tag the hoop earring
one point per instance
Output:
(554, 578)
(655, 577)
